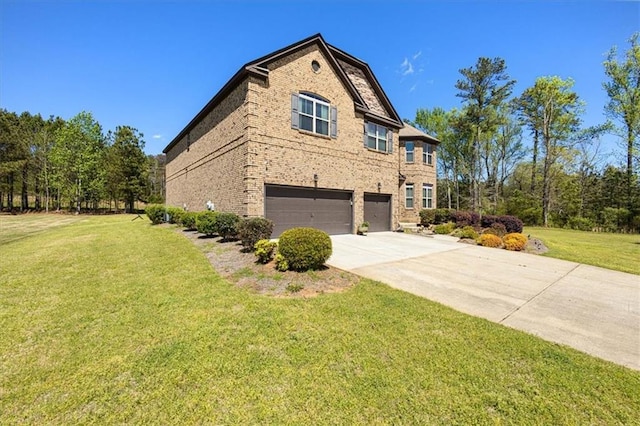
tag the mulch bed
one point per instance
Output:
(232, 263)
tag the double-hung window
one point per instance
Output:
(427, 153)
(409, 150)
(314, 114)
(378, 137)
(408, 195)
(427, 196)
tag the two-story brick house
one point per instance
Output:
(304, 136)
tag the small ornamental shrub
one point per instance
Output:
(490, 240)
(515, 241)
(175, 214)
(264, 250)
(466, 232)
(461, 218)
(488, 220)
(252, 230)
(427, 217)
(281, 263)
(155, 213)
(496, 229)
(189, 220)
(227, 225)
(444, 228)
(580, 223)
(305, 248)
(442, 216)
(206, 223)
(294, 287)
(511, 223)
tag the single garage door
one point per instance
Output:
(377, 211)
(290, 207)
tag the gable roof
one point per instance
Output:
(367, 94)
(408, 132)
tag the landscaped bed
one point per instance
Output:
(109, 320)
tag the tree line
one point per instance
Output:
(55, 164)
(562, 178)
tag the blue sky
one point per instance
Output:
(154, 65)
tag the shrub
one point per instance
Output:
(488, 220)
(490, 240)
(580, 223)
(155, 213)
(466, 232)
(265, 250)
(464, 218)
(174, 214)
(444, 228)
(281, 263)
(227, 225)
(305, 248)
(614, 219)
(294, 287)
(254, 229)
(511, 223)
(189, 220)
(496, 229)
(427, 217)
(206, 222)
(442, 216)
(515, 241)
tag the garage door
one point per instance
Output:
(377, 211)
(290, 207)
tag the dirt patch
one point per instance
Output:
(241, 268)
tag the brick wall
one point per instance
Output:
(418, 174)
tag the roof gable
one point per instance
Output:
(368, 97)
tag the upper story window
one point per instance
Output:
(427, 153)
(409, 151)
(378, 137)
(314, 114)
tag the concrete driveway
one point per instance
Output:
(592, 309)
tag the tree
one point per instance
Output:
(623, 89)
(78, 156)
(484, 90)
(12, 156)
(127, 166)
(557, 109)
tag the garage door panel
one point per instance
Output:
(290, 207)
(377, 211)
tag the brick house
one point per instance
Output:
(304, 136)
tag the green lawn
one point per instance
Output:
(620, 252)
(106, 321)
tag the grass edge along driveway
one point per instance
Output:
(108, 320)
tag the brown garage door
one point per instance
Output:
(290, 207)
(377, 211)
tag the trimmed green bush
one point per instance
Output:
(442, 216)
(466, 232)
(252, 230)
(206, 223)
(264, 250)
(227, 225)
(515, 241)
(155, 213)
(305, 248)
(175, 214)
(281, 263)
(189, 220)
(490, 240)
(444, 228)
(427, 217)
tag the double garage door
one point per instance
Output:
(328, 210)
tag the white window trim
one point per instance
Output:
(406, 195)
(378, 138)
(413, 152)
(426, 188)
(313, 116)
(427, 154)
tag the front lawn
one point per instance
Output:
(109, 321)
(620, 252)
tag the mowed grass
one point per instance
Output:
(106, 320)
(14, 227)
(620, 252)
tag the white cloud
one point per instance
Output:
(157, 136)
(406, 67)
(413, 88)
(417, 55)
